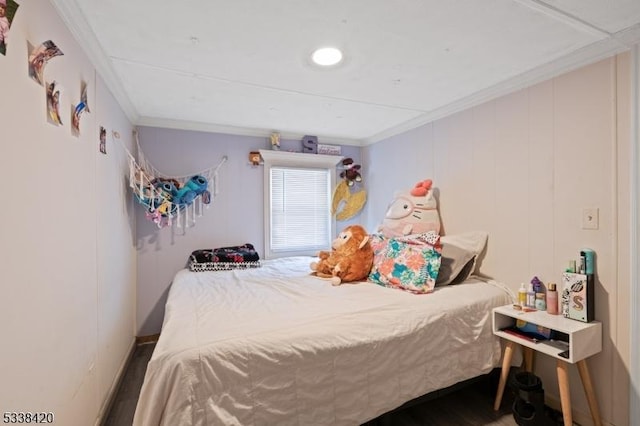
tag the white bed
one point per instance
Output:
(276, 346)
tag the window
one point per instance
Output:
(298, 218)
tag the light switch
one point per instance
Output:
(590, 218)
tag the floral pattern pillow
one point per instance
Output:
(408, 263)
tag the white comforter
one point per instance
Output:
(275, 346)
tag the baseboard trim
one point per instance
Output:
(113, 391)
(144, 340)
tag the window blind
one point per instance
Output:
(300, 209)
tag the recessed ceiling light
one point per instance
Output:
(327, 56)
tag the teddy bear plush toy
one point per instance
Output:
(412, 211)
(350, 259)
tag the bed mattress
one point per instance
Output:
(276, 346)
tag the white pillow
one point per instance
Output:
(459, 256)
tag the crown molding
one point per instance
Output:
(610, 45)
(630, 37)
(582, 57)
(76, 22)
(564, 17)
(166, 123)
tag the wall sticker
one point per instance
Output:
(38, 58)
(103, 140)
(77, 111)
(8, 9)
(54, 92)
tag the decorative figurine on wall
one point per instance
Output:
(310, 144)
(254, 158)
(351, 172)
(275, 141)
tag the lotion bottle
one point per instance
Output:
(522, 295)
(541, 304)
(531, 297)
(552, 299)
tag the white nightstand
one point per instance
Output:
(581, 339)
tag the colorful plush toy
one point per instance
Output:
(164, 190)
(191, 189)
(412, 211)
(350, 259)
(351, 172)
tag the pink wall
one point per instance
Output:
(522, 167)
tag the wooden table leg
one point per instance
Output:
(506, 365)
(588, 390)
(527, 354)
(565, 394)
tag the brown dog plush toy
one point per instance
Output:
(350, 260)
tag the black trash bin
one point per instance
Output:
(528, 406)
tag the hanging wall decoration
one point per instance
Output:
(172, 200)
(8, 9)
(103, 140)
(38, 58)
(349, 196)
(77, 111)
(54, 92)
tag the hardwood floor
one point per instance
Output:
(124, 404)
(471, 405)
(468, 405)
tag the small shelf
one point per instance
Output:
(300, 158)
(584, 339)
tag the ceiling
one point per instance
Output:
(242, 66)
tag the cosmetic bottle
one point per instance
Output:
(588, 254)
(541, 304)
(552, 299)
(537, 285)
(531, 297)
(522, 295)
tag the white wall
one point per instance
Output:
(67, 295)
(522, 167)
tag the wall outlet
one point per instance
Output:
(590, 218)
